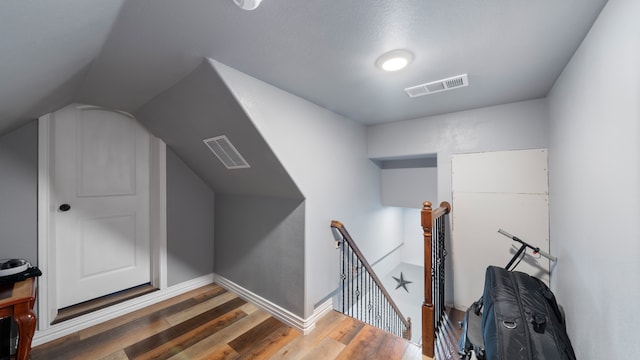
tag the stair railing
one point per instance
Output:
(362, 294)
(433, 309)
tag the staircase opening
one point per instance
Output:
(362, 294)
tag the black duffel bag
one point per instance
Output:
(521, 319)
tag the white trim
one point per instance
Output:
(97, 317)
(94, 107)
(282, 314)
(158, 213)
(318, 313)
(46, 259)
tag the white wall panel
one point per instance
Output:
(499, 200)
(522, 171)
(477, 244)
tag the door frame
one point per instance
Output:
(47, 293)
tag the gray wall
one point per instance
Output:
(409, 187)
(260, 246)
(595, 186)
(190, 225)
(19, 193)
(325, 154)
(515, 126)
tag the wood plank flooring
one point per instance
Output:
(212, 323)
(448, 335)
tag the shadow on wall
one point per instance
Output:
(259, 245)
(19, 193)
(190, 223)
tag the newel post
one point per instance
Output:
(428, 324)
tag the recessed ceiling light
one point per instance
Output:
(394, 60)
(248, 4)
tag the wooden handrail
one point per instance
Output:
(444, 209)
(428, 217)
(347, 237)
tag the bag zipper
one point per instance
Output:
(525, 323)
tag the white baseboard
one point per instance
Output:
(282, 314)
(82, 322)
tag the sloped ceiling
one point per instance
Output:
(200, 107)
(46, 48)
(120, 54)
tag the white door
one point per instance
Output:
(100, 200)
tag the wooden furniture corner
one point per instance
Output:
(17, 300)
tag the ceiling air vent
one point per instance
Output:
(226, 152)
(438, 86)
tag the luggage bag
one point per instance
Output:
(521, 319)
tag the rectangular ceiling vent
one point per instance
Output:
(438, 86)
(226, 152)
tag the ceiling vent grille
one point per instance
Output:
(438, 86)
(226, 152)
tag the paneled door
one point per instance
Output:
(100, 200)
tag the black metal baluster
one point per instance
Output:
(370, 297)
(352, 285)
(439, 279)
(350, 275)
(441, 266)
(359, 291)
(444, 256)
(371, 303)
(436, 296)
(362, 297)
(357, 275)
(346, 271)
(437, 243)
(368, 302)
(358, 287)
(342, 271)
(354, 294)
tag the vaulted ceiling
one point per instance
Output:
(122, 53)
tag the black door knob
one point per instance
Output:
(64, 207)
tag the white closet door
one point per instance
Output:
(101, 203)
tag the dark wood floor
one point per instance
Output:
(447, 340)
(211, 323)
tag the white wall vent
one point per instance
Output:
(226, 152)
(438, 86)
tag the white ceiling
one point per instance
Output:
(121, 53)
